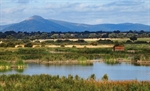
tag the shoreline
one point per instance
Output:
(74, 62)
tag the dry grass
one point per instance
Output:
(96, 39)
(81, 46)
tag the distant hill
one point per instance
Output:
(37, 23)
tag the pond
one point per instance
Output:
(121, 71)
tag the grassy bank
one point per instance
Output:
(43, 82)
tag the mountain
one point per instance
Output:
(4, 26)
(37, 23)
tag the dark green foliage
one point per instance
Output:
(140, 42)
(93, 76)
(133, 38)
(105, 41)
(28, 45)
(66, 35)
(129, 41)
(3, 45)
(10, 44)
(94, 43)
(105, 77)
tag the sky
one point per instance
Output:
(77, 11)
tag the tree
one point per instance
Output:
(130, 35)
(112, 35)
(93, 77)
(55, 36)
(133, 38)
(120, 35)
(92, 35)
(105, 77)
(116, 31)
(44, 35)
(67, 35)
(142, 35)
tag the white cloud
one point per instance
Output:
(85, 11)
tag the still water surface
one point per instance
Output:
(121, 71)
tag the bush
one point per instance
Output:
(3, 45)
(105, 77)
(82, 58)
(94, 43)
(28, 45)
(105, 41)
(141, 42)
(10, 44)
(62, 45)
(73, 46)
(128, 41)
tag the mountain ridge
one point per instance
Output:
(38, 23)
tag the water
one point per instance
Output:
(121, 71)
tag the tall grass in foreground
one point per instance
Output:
(43, 82)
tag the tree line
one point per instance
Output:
(66, 35)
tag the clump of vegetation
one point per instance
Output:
(4, 65)
(105, 77)
(73, 46)
(62, 45)
(28, 45)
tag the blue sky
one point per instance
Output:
(78, 11)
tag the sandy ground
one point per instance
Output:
(81, 46)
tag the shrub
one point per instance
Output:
(105, 77)
(28, 45)
(3, 45)
(73, 46)
(94, 43)
(62, 45)
(10, 44)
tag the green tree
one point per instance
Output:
(105, 77)
(129, 35)
(44, 35)
(67, 35)
(93, 77)
(120, 35)
(133, 38)
(55, 36)
(112, 35)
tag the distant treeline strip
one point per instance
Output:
(66, 35)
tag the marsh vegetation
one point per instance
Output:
(45, 82)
